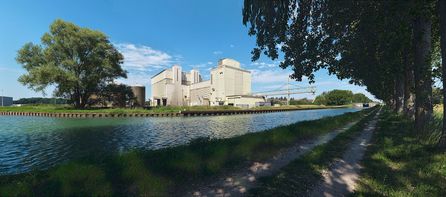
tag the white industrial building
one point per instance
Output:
(229, 84)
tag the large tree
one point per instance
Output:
(442, 17)
(383, 45)
(77, 61)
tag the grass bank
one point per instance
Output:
(163, 172)
(300, 176)
(51, 108)
(403, 162)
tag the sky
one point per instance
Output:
(152, 35)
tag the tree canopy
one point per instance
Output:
(390, 47)
(341, 97)
(77, 61)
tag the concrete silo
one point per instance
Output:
(140, 93)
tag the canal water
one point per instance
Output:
(28, 143)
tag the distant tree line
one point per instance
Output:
(341, 97)
(334, 97)
(40, 100)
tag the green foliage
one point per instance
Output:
(117, 94)
(303, 101)
(320, 99)
(360, 98)
(437, 96)
(340, 97)
(368, 42)
(77, 179)
(77, 61)
(163, 172)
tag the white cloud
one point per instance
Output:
(201, 65)
(270, 76)
(231, 45)
(265, 65)
(143, 58)
(196, 66)
(217, 52)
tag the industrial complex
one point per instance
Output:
(229, 84)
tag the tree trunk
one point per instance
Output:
(399, 93)
(422, 71)
(442, 14)
(409, 97)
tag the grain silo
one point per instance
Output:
(140, 94)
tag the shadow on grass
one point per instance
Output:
(300, 176)
(402, 163)
(166, 171)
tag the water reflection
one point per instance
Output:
(40, 142)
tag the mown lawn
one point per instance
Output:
(404, 162)
(164, 172)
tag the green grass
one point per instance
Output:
(403, 162)
(167, 171)
(51, 108)
(299, 177)
(301, 107)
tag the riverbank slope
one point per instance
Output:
(69, 111)
(162, 172)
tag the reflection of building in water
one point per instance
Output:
(229, 85)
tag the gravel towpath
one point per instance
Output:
(342, 176)
(239, 182)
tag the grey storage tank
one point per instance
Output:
(140, 93)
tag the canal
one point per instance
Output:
(28, 143)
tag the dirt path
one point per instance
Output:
(239, 182)
(341, 178)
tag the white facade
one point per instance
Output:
(229, 85)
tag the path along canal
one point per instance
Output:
(28, 143)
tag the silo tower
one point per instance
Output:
(140, 94)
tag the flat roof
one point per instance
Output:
(233, 68)
(158, 73)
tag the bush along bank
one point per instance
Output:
(162, 172)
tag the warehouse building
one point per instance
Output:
(5, 101)
(229, 84)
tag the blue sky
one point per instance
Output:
(152, 35)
